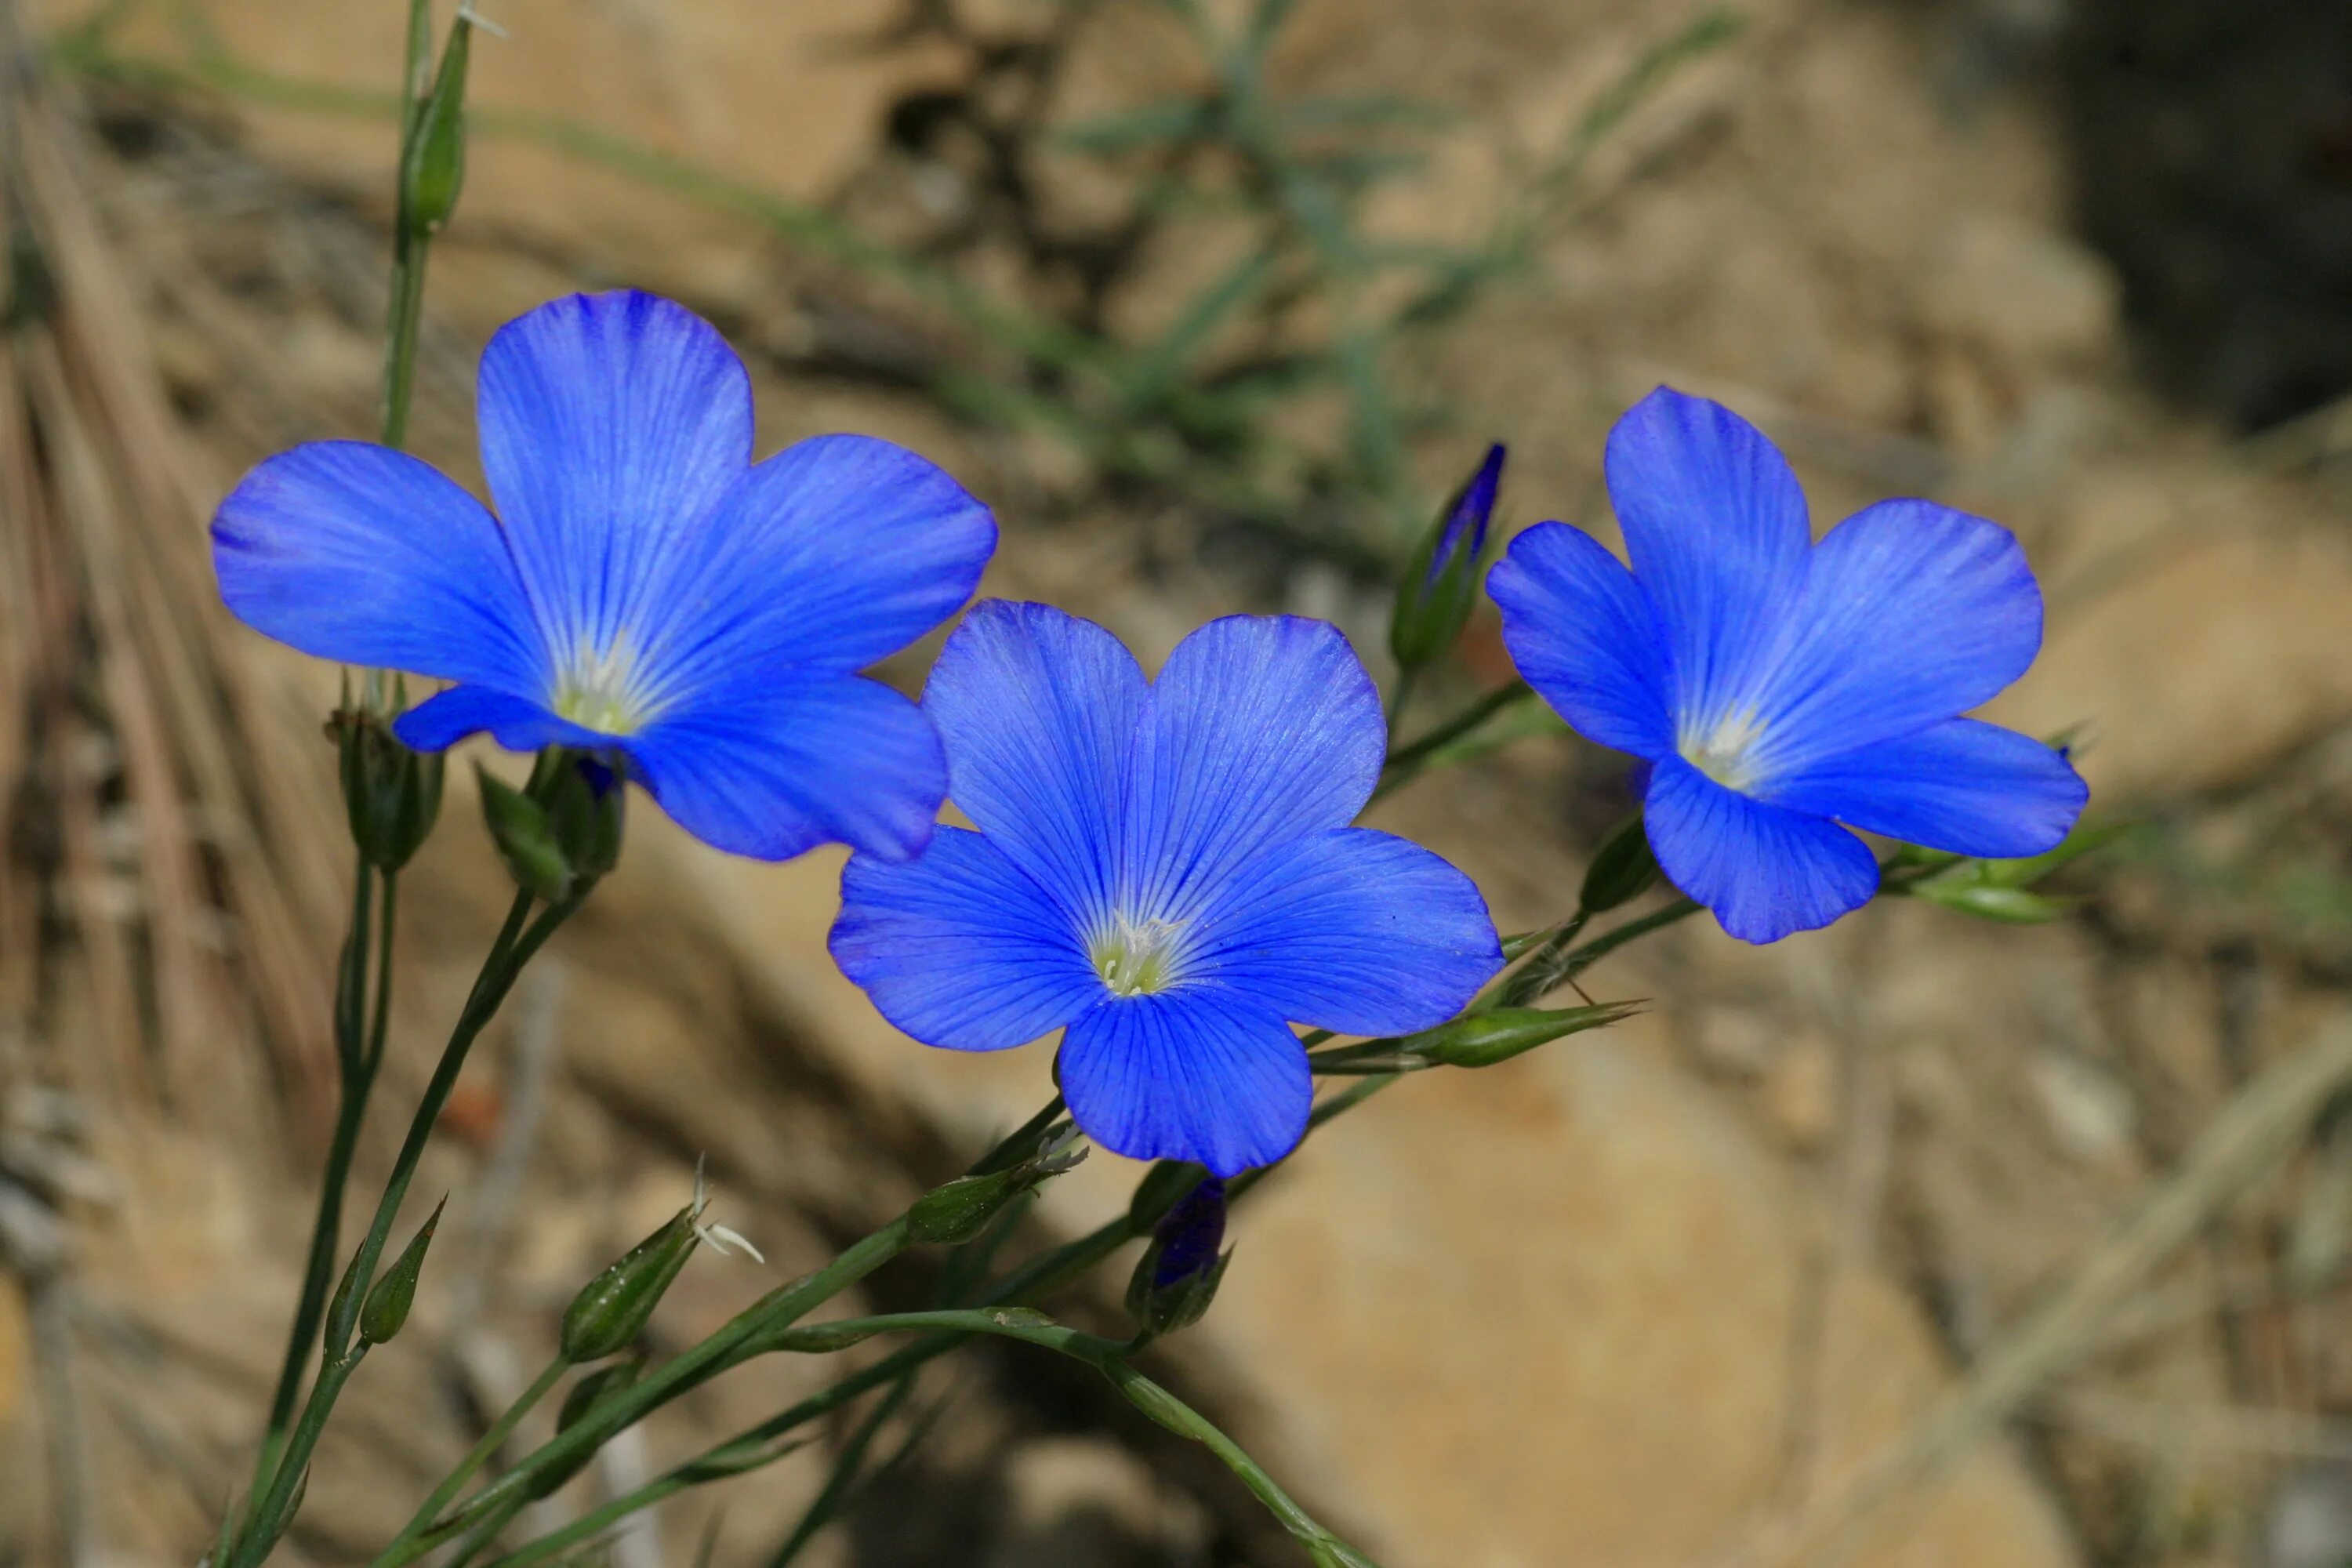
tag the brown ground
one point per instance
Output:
(1647, 1298)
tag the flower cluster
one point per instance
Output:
(1164, 869)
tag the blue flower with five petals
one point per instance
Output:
(1778, 688)
(1165, 869)
(645, 589)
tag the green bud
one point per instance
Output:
(1178, 1276)
(433, 164)
(585, 808)
(1622, 869)
(1440, 587)
(1483, 1039)
(953, 1214)
(390, 794)
(385, 1309)
(613, 1308)
(526, 839)
(582, 1397)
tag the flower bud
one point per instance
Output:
(953, 1214)
(526, 839)
(385, 1310)
(1622, 869)
(390, 794)
(1162, 1187)
(585, 813)
(433, 163)
(1440, 587)
(1482, 1039)
(613, 1308)
(1178, 1276)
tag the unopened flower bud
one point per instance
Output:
(1178, 1276)
(1162, 1187)
(433, 164)
(613, 1308)
(585, 811)
(953, 1214)
(1483, 1039)
(1440, 587)
(526, 839)
(390, 794)
(385, 1310)
(1622, 869)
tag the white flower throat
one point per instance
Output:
(1726, 750)
(1136, 957)
(600, 690)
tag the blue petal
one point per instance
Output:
(1038, 709)
(1911, 613)
(959, 947)
(1714, 523)
(612, 424)
(1260, 729)
(1585, 635)
(1964, 786)
(769, 767)
(833, 553)
(515, 722)
(357, 553)
(1351, 930)
(1765, 871)
(1195, 1073)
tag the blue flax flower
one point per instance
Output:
(1778, 688)
(645, 589)
(1166, 869)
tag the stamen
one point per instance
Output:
(1136, 957)
(600, 692)
(1725, 752)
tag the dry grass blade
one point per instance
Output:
(2259, 1130)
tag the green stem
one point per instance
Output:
(357, 1077)
(1109, 1358)
(1406, 761)
(846, 1466)
(740, 1339)
(483, 1534)
(513, 948)
(1544, 974)
(405, 315)
(480, 1454)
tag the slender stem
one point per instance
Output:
(479, 1455)
(406, 314)
(740, 1339)
(484, 1534)
(512, 949)
(1410, 758)
(380, 1028)
(1544, 974)
(1109, 1358)
(846, 1466)
(319, 1272)
(508, 954)
(405, 309)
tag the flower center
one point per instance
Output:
(1136, 957)
(599, 692)
(1724, 753)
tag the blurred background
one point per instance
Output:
(1842, 1251)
